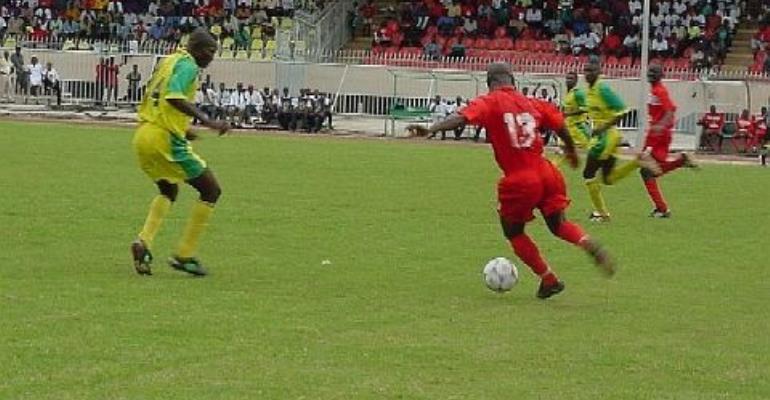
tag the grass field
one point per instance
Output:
(400, 313)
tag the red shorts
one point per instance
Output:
(539, 187)
(658, 144)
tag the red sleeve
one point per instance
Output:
(476, 112)
(665, 100)
(550, 116)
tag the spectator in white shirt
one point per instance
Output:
(237, 104)
(534, 17)
(51, 82)
(35, 77)
(6, 75)
(659, 46)
(438, 112)
(254, 104)
(664, 7)
(578, 44)
(591, 42)
(633, 6)
(631, 44)
(656, 19)
(680, 8)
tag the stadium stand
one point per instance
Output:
(684, 33)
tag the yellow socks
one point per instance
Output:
(595, 192)
(622, 171)
(158, 209)
(199, 220)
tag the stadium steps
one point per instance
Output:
(740, 56)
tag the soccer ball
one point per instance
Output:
(500, 275)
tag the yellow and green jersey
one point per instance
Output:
(603, 104)
(176, 77)
(577, 125)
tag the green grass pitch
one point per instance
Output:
(400, 313)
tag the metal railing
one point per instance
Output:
(322, 33)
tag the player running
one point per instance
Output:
(661, 111)
(162, 147)
(605, 109)
(529, 181)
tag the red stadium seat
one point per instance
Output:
(625, 61)
(468, 42)
(481, 43)
(501, 32)
(507, 43)
(612, 60)
(669, 63)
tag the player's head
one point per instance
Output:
(499, 74)
(202, 47)
(571, 79)
(745, 113)
(654, 73)
(592, 70)
(763, 110)
(713, 109)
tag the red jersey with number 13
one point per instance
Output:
(513, 124)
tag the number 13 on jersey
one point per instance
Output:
(522, 129)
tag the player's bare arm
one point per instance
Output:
(189, 109)
(451, 122)
(569, 147)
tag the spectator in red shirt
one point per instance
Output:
(712, 123)
(613, 44)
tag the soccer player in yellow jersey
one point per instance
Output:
(605, 109)
(162, 146)
(575, 112)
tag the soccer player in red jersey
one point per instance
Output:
(760, 130)
(661, 111)
(529, 181)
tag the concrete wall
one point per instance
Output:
(692, 97)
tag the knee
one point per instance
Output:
(588, 175)
(646, 174)
(511, 230)
(554, 222)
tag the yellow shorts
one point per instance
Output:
(605, 145)
(581, 135)
(165, 156)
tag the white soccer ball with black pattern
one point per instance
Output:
(500, 275)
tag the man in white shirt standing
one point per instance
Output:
(254, 104)
(51, 82)
(6, 74)
(438, 112)
(35, 77)
(237, 104)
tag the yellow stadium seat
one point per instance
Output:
(114, 48)
(84, 45)
(241, 55)
(256, 55)
(226, 54)
(271, 45)
(257, 44)
(69, 44)
(287, 23)
(227, 43)
(256, 32)
(10, 42)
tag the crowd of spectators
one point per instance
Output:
(141, 20)
(247, 106)
(693, 32)
(28, 80)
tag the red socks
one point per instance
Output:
(655, 195)
(527, 251)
